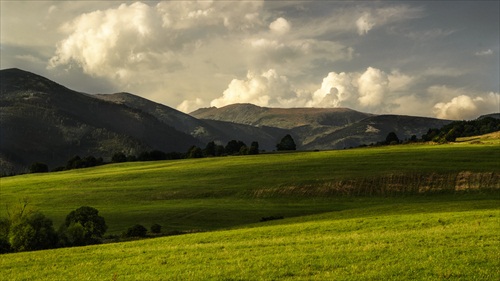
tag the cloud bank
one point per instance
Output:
(380, 57)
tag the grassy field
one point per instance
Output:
(414, 212)
(397, 239)
(215, 193)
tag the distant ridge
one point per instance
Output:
(324, 128)
(285, 118)
(43, 121)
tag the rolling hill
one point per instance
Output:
(44, 121)
(204, 130)
(417, 212)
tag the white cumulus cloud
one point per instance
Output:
(467, 107)
(373, 85)
(122, 42)
(190, 105)
(337, 89)
(260, 89)
(280, 26)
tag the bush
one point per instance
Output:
(136, 231)
(271, 218)
(38, 167)
(4, 236)
(156, 228)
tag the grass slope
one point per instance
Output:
(216, 193)
(424, 239)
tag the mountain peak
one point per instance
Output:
(17, 80)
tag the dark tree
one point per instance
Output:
(195, 152)
(156, 228)
(84, 226)
(136, 231)
(74, 163)
(209, 150)
(4, 236)
(220, 150)
(119, 157)
(431, 134)
(32, 232)
(286, 143)
(392, 138)
(233, 147)
(254, 148)
(38, 167)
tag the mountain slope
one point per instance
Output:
(284, 118)
(324, 128)
(204, 130)
(374, 129)
(47, 122)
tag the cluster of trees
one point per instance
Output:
(458, 129)
(450, 132)
(233, 147)
(75, 162)
(28, 230)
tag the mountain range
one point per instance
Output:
(43, 121)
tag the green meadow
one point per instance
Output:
(395, 212)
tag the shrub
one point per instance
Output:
(270, 218)
(38, 167)
(136, 231)
(4, 235)
(156, 228)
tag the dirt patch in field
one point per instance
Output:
(391, 184)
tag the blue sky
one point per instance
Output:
(425, 58)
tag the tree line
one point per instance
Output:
(212, 149)
(450, 132)
(459, 129)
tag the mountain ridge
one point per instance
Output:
(47, 122)
(44, 121)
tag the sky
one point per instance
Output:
(422, 58)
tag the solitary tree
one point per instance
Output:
(254, 148)
(392, 138)
(286, 143)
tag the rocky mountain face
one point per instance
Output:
(42, 121)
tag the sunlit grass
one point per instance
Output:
(216, 193)
(369, 243)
